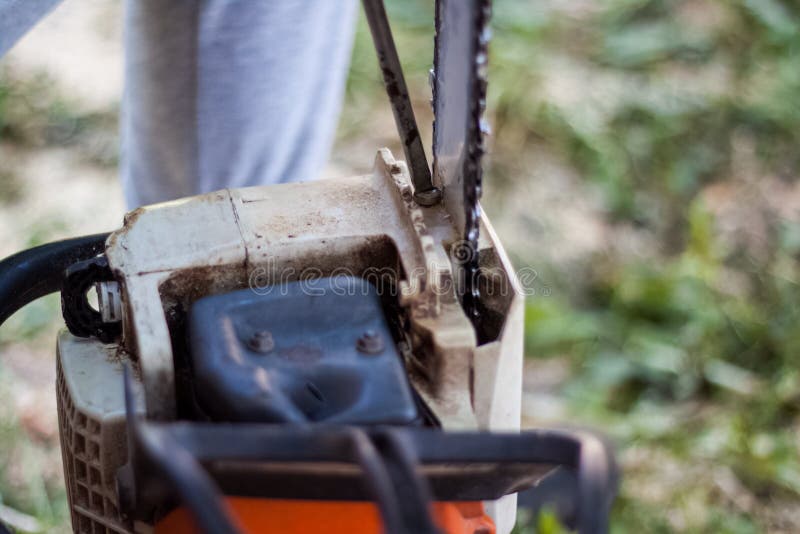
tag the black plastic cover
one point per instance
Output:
(308, 351)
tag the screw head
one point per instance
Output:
(431, 197)
(370, 342)
(261, 341)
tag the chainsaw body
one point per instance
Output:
(274, 244)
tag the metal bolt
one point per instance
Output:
(261, 341)
(431, 197)
(109, 301)
(370, 342)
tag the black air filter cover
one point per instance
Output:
(317, 351)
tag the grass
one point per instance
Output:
(29, 483)
(690, 352)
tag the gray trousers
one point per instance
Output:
(221, 93)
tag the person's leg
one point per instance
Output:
(18, 16)
(230, 93)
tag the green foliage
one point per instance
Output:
(546, 522)
(29, 322)
(659, 338)
(34, 115)
(653, 145)
(26, 484)
(694, 350)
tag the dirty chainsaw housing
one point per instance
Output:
(179, 266)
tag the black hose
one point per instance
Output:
(377, 481)
(413, 493)
(34, 273)
(153, 450)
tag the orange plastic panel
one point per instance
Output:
(332, 517)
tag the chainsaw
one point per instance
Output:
(341, 355)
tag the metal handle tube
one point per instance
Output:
(424, 192)
(32, 274)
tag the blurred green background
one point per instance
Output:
(644, 161)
